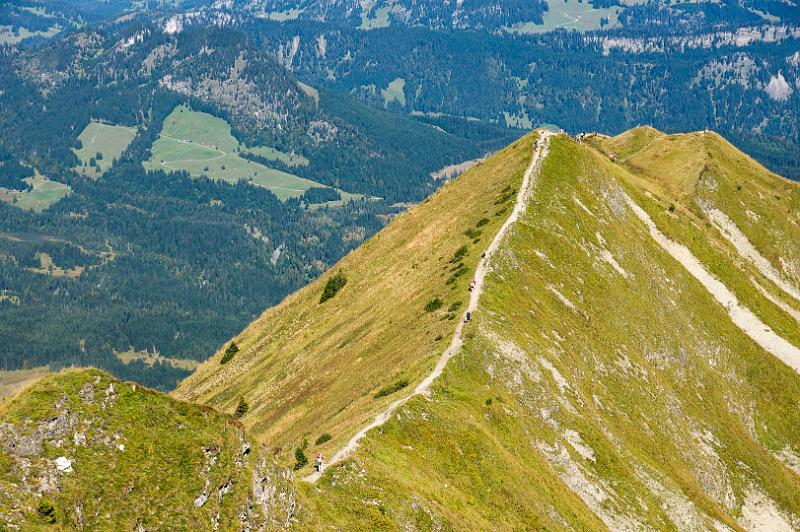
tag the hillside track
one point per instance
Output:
(540, 152)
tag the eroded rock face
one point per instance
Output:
(27, 441)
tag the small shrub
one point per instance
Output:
(671, 207)
(434, 304)
(505, 195)
(472, 233)
(300, 459)
(459, 254)
(454, 306)
(323, 438)
(47, 512)
(438, 338)
(229, 353)
(394, 387)
(241, 408)
(461, 270)
(489, 402)
(333, 286)
(482, 222)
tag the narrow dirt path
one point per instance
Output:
(742, 317)
(423, 388)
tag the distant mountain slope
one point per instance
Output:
(737, 76)
(166, 262)
(80, 450)
(633, 362)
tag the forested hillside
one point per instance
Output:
(741, 81)
(131, 254)
(315, 104)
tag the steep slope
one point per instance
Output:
(602, 386)
(309, 368)
(84, 451)
(603, 382)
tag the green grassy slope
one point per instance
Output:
(130, 457)
(601, 387)
(680, 179)
(202, 144)
(308, 368)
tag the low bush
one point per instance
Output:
(394, 387)
(459, 254)
(333, 286)
(461, 270)
(47, 512)
(242, 407)
(323, 438)
(434, 304)
(300, 459)
(472, 233)
(229, 353)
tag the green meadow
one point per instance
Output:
(44, 194)
(202, 145)
(106, 139)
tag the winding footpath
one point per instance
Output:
(424, 387)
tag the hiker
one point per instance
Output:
(318, 463)
(469, 314)
(472, 285)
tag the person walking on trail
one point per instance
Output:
(318, 463)
(469, 315)
(472, 284)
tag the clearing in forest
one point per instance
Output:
(203, 145)
(107, 141)
(394, 92)
(571, 15)
(44, 194)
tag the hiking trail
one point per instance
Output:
(423, 388)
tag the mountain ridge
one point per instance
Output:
(600, 384)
